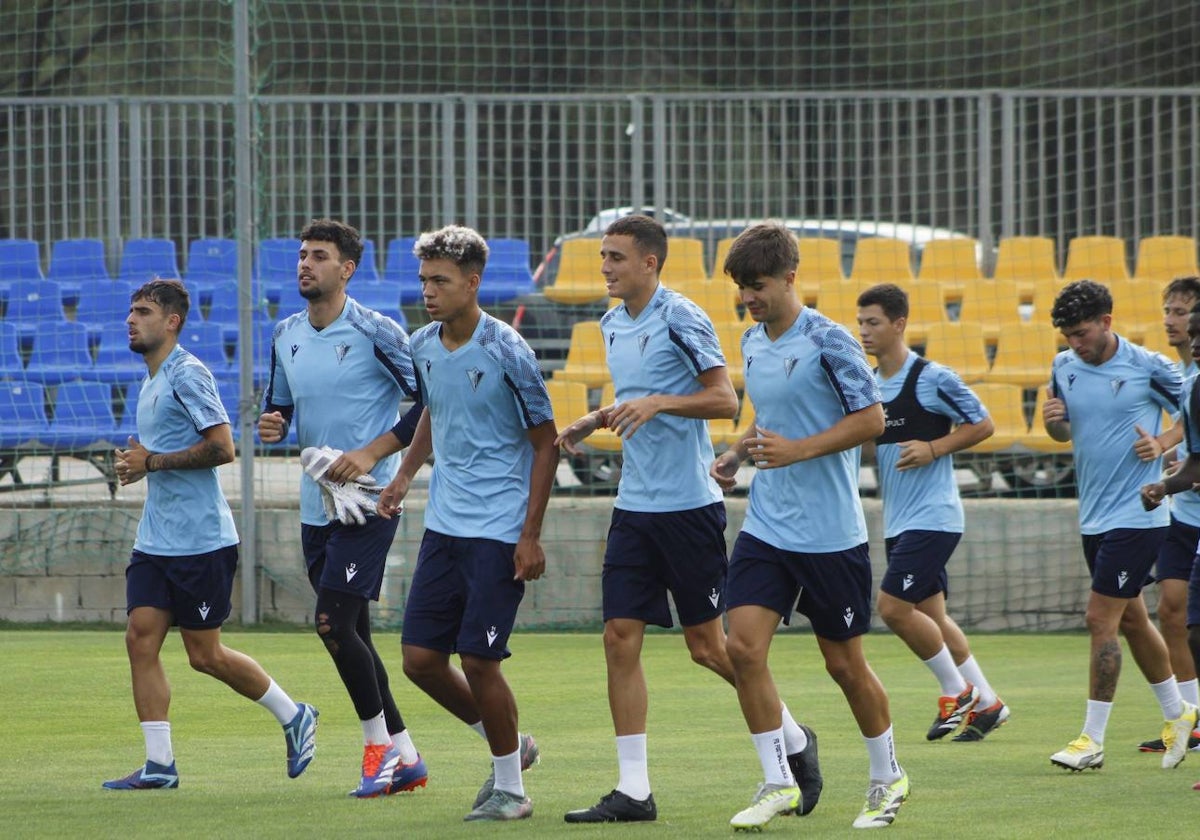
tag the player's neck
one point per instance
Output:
(1110, 349)
(891, 360)
(324, 311)
(1185, 354)
(458, 330)
(158, 355)
(634, 304)
(787, 316)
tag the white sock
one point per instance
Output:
(882, 751)
(479, 730)
(158, 741)
(794, 739)
(633, 767)
(1190, 689)
(277, 702)
(1169, 698)
(408, 751)
(375, 730)
(508, 773)
(1097, 719)
(773, 757)
(973, 674)
(942, 666)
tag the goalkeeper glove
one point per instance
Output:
(348, 502)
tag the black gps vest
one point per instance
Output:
(905, 419)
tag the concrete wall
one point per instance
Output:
(1019, 566)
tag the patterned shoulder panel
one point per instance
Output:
(520, 368)
(843, 360)
(607, 317)
(390, 341)
(692, 328)
(196, 389)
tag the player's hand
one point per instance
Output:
(1153, 495)
(391, 500)
(627, 417)
(1146, 447)
(349, 466)
(530, 560)
(271, 427)
(570, 437)
(131, 462)
(724, 470)
(1054, 410)
(914, 454)
(770, 450)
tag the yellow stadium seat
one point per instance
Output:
(730, 335)
(684, 265)
(881, 259)
(586, 359)
(820, 264)
(1024, 353)
(1099, 258)
(725, 433)
(954, 260)
(839, 302)
(1136, 300)
(1150, 335)
(578, 280)
(927, 302)
(568, 401)
(717, 298)
(1005, 404)
(605, 440)
(1163, 258)
(959, 346)
(992, 304)
(1025, 258)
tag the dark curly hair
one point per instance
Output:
(1083, 300)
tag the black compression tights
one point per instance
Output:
(344, 625)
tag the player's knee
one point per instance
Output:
(841, 670)
(893, 611)
(1172, 614)
(205, 661)
(417, 665)
(743, 653)
(326, 632)
(478, 670)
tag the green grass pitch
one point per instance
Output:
(69, 724)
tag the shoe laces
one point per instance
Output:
(875, 795)
(372, 757)
(1080, 743)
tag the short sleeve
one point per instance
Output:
(845, 365)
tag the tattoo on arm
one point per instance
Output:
(1106, 667)
(203, 455)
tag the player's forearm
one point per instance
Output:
(381, 447)
(1187, 476)
(1059, 430)
(963, 437)
(1172, 437)
(852, 430)
(420, 447)
(541, 479)
(712, 402)
(202, 455)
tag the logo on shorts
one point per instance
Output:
(351, 571)
(908, 581)
(714, 597)
(1117, 385)
(491, 635)
(204, 609)
(789, 365)
(643, 340)
(340, 351)
(474, 374)
(848, 616)
(1122, 579)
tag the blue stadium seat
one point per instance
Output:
(115, 362)
(381, 296)
(34, 301)
(60, 353)
(210, 261)
(223, 307)
(20, 259)
(127, 425)
(230, 391)
(11, 364)
(23, 419)
(206, 341)
(83, 416)
(76, 263)
(367, 269)
(104, 303)
(144, 259)
(508, 253)
(402, 269)
(276, 270)
(503, 283)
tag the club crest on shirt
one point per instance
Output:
(295, 350)
(340, 351)
(474, 374)
(788, 365)
(1117, 385)
(643, 340)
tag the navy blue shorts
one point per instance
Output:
(1193, 598)
(1177, 552)
(649, 554)
(349, 558)
(1120, 560)
(832, 589)
(463, 598)
(194, 588)
(916, 564)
